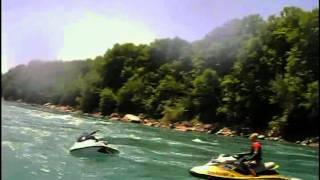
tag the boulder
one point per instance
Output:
(150, 122)
(225, 132)
(314, 144)
(182, 128)
(261, 137)
(142, 116)
(208, 126)
(304, 143)
(314, 140)
(115, 115)
(184, 123)
(131, 118)
(96, 115)
(47, 104)
(276, 139)
(115, 119)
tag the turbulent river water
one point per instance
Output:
(35, 146)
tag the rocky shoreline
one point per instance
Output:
(183, 126)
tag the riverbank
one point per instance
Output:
(183, 126)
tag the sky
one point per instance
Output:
(80, 29)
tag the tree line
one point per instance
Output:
(254, 72)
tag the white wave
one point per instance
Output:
(155, 139)
(45, 115)
(171, 163)
(125, 136)
(34, 173)
(9, 144)
(37, 132)
(103, 122)
(40, 114)
(204, 142)
(133, 131)
(42, 156)
(159, 152)
(175, 143)
(138, 159)
(134, 136)
(182, 154)
(45, 170)
(27, 156)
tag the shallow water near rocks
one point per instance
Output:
(35, 146)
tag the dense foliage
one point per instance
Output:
(250, 72)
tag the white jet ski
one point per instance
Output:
(87, 144)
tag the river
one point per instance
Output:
(35, 146)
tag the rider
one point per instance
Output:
(255, 154)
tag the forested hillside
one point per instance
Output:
(258, 73)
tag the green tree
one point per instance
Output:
(206, 95)
(108, 101)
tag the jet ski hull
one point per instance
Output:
(92, 147)
(217, 172)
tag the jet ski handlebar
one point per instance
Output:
(94, 132)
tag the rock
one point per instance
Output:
(208, 126)
(298, 142)
(314, 140)
(131, 118)
(186, 123)
(261, 137)
(115, 115)
(150, 122)
(77, 112)
(183, 126)
(198, 125)
(47, 104)
(314, 144)
(142, 116)
(276, 139)
(183, 129)
(200, 129)
(115, 119)
(225, 132)
(304, 143)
